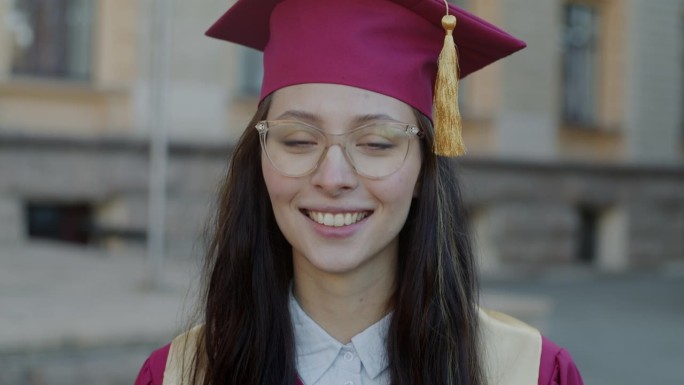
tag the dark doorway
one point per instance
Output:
(587, 235)
(59, 221)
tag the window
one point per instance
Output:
(52, 38)
(59, 221)
(580, 64)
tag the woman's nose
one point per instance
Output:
(334, 174)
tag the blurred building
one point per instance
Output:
(575, 146)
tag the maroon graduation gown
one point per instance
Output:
(555, 368)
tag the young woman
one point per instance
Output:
(340, 252)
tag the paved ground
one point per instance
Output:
(70, 315)
(626, 330)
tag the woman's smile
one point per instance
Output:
(336, 223)
(337, 218)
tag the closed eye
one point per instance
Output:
(299, 143)
(376, 145)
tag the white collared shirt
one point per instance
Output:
(322, 360)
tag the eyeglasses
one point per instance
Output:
(374, 150)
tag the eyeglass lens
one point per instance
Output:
(375, 150)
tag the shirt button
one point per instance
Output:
(348, 356)
(349, 383)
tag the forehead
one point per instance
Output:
(337, 103)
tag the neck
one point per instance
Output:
(344, 305)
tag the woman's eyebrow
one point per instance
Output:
(359, 120)
(300, 115)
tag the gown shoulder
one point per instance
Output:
(556, 366)
(152, 371)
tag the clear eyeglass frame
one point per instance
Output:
(409, 130)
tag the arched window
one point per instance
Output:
(52, 38)
(580, 63)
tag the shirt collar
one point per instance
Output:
(371, 346)
(316, 350)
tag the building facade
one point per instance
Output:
(575, 145)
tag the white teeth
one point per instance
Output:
(336, 220)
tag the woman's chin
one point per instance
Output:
(333, 264)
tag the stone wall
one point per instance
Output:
(615, 216)
(111, 175)
(525, 213)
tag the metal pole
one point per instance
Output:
(158, 73)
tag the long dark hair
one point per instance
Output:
(247, 337)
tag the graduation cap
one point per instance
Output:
(387, 46)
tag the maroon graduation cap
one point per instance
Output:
(385, 46)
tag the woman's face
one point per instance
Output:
(306, 207)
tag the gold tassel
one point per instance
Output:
(447, 117)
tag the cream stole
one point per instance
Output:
(511, 352)
(511, 349)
